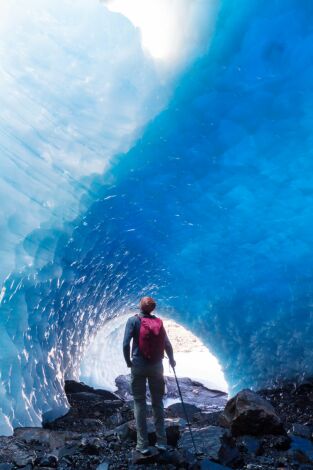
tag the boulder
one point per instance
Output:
(208, 440)
(204, 418)
(48, 460)
(173, 427)
(176, 410)
(71, 386)
(249, 413)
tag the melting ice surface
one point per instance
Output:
(210, 211)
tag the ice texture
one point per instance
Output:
(66, 107)
(210, 211)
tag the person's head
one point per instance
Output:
(147, 305)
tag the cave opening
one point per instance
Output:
(103, 360)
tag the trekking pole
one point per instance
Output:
(185, 412)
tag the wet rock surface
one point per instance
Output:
(269, 430)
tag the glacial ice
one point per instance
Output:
(210, 211)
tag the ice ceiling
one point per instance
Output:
(120, 176)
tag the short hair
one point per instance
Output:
(147, 304)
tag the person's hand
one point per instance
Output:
(173, 363)
(129, 364)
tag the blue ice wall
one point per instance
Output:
(210, 212)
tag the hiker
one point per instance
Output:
(149, 343)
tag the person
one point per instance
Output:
(149, 342)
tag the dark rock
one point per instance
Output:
(209, 465)
(80, 399)
(195, 393)
(202, 419)
(173, 428)
(44, 437)
(171, 457)
(71, 386)
(49, 460)
(91, 446)
(176, 411)
(90, 412)
(51, 415)
(92, 423)
(303, 448)
(294, 404)
(249, 413)
(249, 444)
(139, 459)
(124, 431)
(33, 435)
(22, 459)
(280, 443)
(67, 451)
(230, 455)
(107, 434)
(301, 430)
(208, 440)
(304, 387)
(43, 468)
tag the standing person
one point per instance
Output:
(149, 343)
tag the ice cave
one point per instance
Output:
(179, 168)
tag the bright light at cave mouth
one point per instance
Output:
(155, 21)
(171, 31)
(103, 360)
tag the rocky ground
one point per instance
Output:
(269, 430)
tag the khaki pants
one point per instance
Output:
(139, 375)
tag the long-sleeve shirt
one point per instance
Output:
(132, 333)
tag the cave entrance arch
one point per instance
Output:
(103, 359)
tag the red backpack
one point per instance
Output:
(151, 338)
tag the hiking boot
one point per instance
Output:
(145, 451)
(161, 447)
